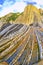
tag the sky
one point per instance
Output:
(7, 6)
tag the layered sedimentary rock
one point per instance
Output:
(19, 45)
(30, 15)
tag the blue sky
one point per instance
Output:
(7, 6)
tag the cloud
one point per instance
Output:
(39, 3)
(17, 5)
(0, 5)
(11, 6)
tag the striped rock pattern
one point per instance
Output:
(19, 45)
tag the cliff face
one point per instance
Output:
(30, 15)
(41, 13)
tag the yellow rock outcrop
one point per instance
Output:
(30, 15)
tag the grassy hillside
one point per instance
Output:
(9, 17)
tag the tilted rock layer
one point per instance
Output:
(30, 15)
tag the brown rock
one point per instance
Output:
(3, 63)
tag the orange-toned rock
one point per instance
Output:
(3, 63)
